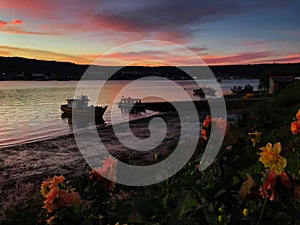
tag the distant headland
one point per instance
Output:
(16, 68)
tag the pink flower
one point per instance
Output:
(105, 174)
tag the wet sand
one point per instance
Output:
(33, 162)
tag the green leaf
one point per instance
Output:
(145, 210)
(188, 202)
(235, 180)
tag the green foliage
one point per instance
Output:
(289, 97)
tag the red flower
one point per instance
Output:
(207, 121)
(295, 127)
(269, 186)
(204, 134)
(297, 191)
(285, 180)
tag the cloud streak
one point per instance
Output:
(14, 28)
(43, 55)
(246, 57)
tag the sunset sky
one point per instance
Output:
(220, 32)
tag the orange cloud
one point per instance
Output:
(42, 55)
(16, 21)
(2, 23)
(5, 53)
(146, 58)
(18, 30)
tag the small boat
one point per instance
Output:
(205, 91)
(79, 106)
(247, 89)
(131, 105)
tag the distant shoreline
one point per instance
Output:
(16, 68)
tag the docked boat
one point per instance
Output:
(79, 106)
(247, 89)
(131, 105)
(205, 91)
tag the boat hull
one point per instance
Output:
(135, 108)
(97, 111)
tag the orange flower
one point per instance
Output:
(298, 115)
(57, 180)
(51, 219)
(220, 125)
(204, 134)
(255, 137)
(45, 187)
(246, 187)
(108, 171)
(69, 198)
(295, 127)
(57, 196)
(207, 121)
(51, 200)
(271, 159)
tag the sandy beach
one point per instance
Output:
(39, 160)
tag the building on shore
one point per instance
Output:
(278, 83)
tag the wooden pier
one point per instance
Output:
(234, 103)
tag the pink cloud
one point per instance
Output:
(247, 57)
(36, 9)
(254, 43)
(14, 28)
(294, 58)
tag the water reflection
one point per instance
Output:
(82, 121)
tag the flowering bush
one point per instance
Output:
(220, 125)
(59, 196)
(103, 176)
(295, 125)
(245, 185)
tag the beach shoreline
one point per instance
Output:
(36, 161)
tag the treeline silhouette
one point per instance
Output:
(16, 68)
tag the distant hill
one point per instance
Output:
(15, 68)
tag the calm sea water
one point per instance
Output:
(30, 110)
